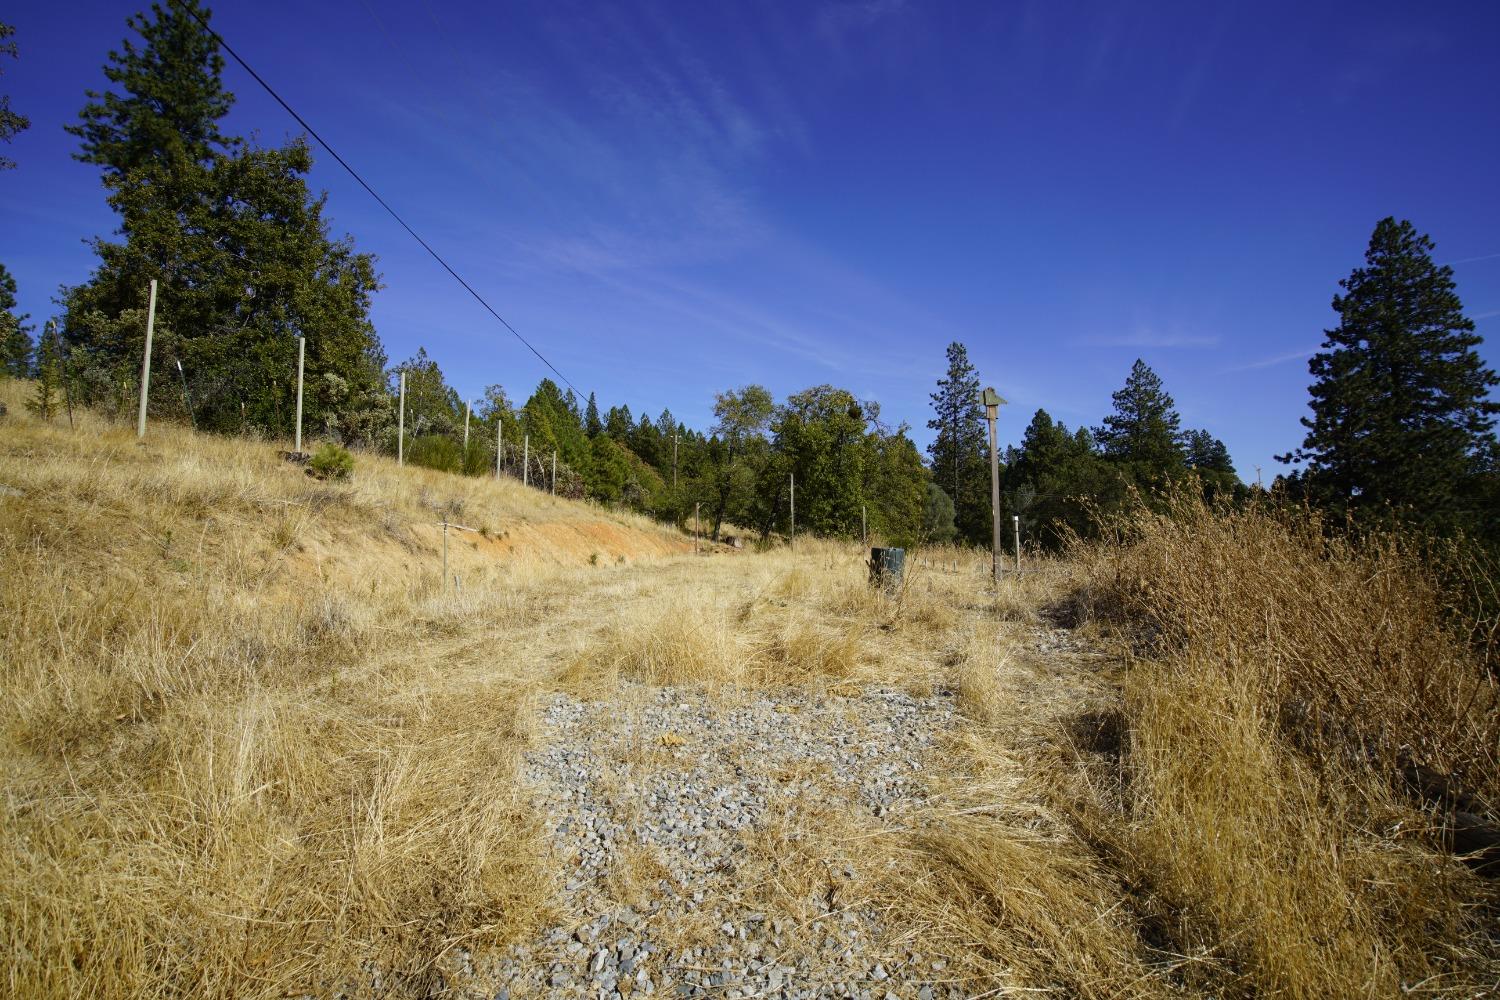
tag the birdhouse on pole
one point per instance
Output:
(992, 403)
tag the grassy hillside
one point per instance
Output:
(243, 732)
(251, 747)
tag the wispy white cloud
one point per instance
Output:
(1204, 56)
(839, 19)
(1269, 362)
(1145, 337)
(1378, 53)
(630, 195)
(871, 339)
(1472, 260)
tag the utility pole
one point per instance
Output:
(140, 420)
(301, 357)
(466, 427)
(554, 472)
(401, 426)
(499, 443)
(445, 554)
(792, 478)
(992, 403)
(864, 530)
(526, 461)
(674, 461)
(696, 505)
(1016, 523)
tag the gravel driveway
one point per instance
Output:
(660, 804)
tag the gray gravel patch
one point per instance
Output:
(668, 783)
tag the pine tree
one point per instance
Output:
(1208, 458)
(618, 423)
(592, 425)
(11, 122)
(645, 440)
(1401, 414)
(157, 135)
(667, 424)
(1206, 453)
(46, 393)
(238, 243)
(552, 425)
(432, 406)
(1057, 482)
(15, 336)
(958, 451)
(1143, 434)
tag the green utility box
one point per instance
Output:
(886, 566)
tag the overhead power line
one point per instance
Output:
(373, 194)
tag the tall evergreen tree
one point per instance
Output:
(1208, 458)
(15, 335)
(1401, 407)
(1056, 482)
(1205, 452)
(238, 244)
(592, 425)
(432, 406)
(12, 123)
(645, 440)
(553, 425)
(1143, 434)
(618, 423)
(161, 128)
(666, 424)
(958, 450)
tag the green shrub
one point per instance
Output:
(478, 458)
(332, 462)
(434, 451)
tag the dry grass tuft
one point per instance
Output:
(1034, 912)
(1291, 679)
(980, 676)
(670, 645)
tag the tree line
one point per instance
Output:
(1059, 482)
(1402, 423)
(1401, 429)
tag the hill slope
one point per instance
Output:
(250, 745)
(250, 748)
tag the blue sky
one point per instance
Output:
(673, 198)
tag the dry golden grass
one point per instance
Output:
(247, 745)
(1289, 678)
(251, 746)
